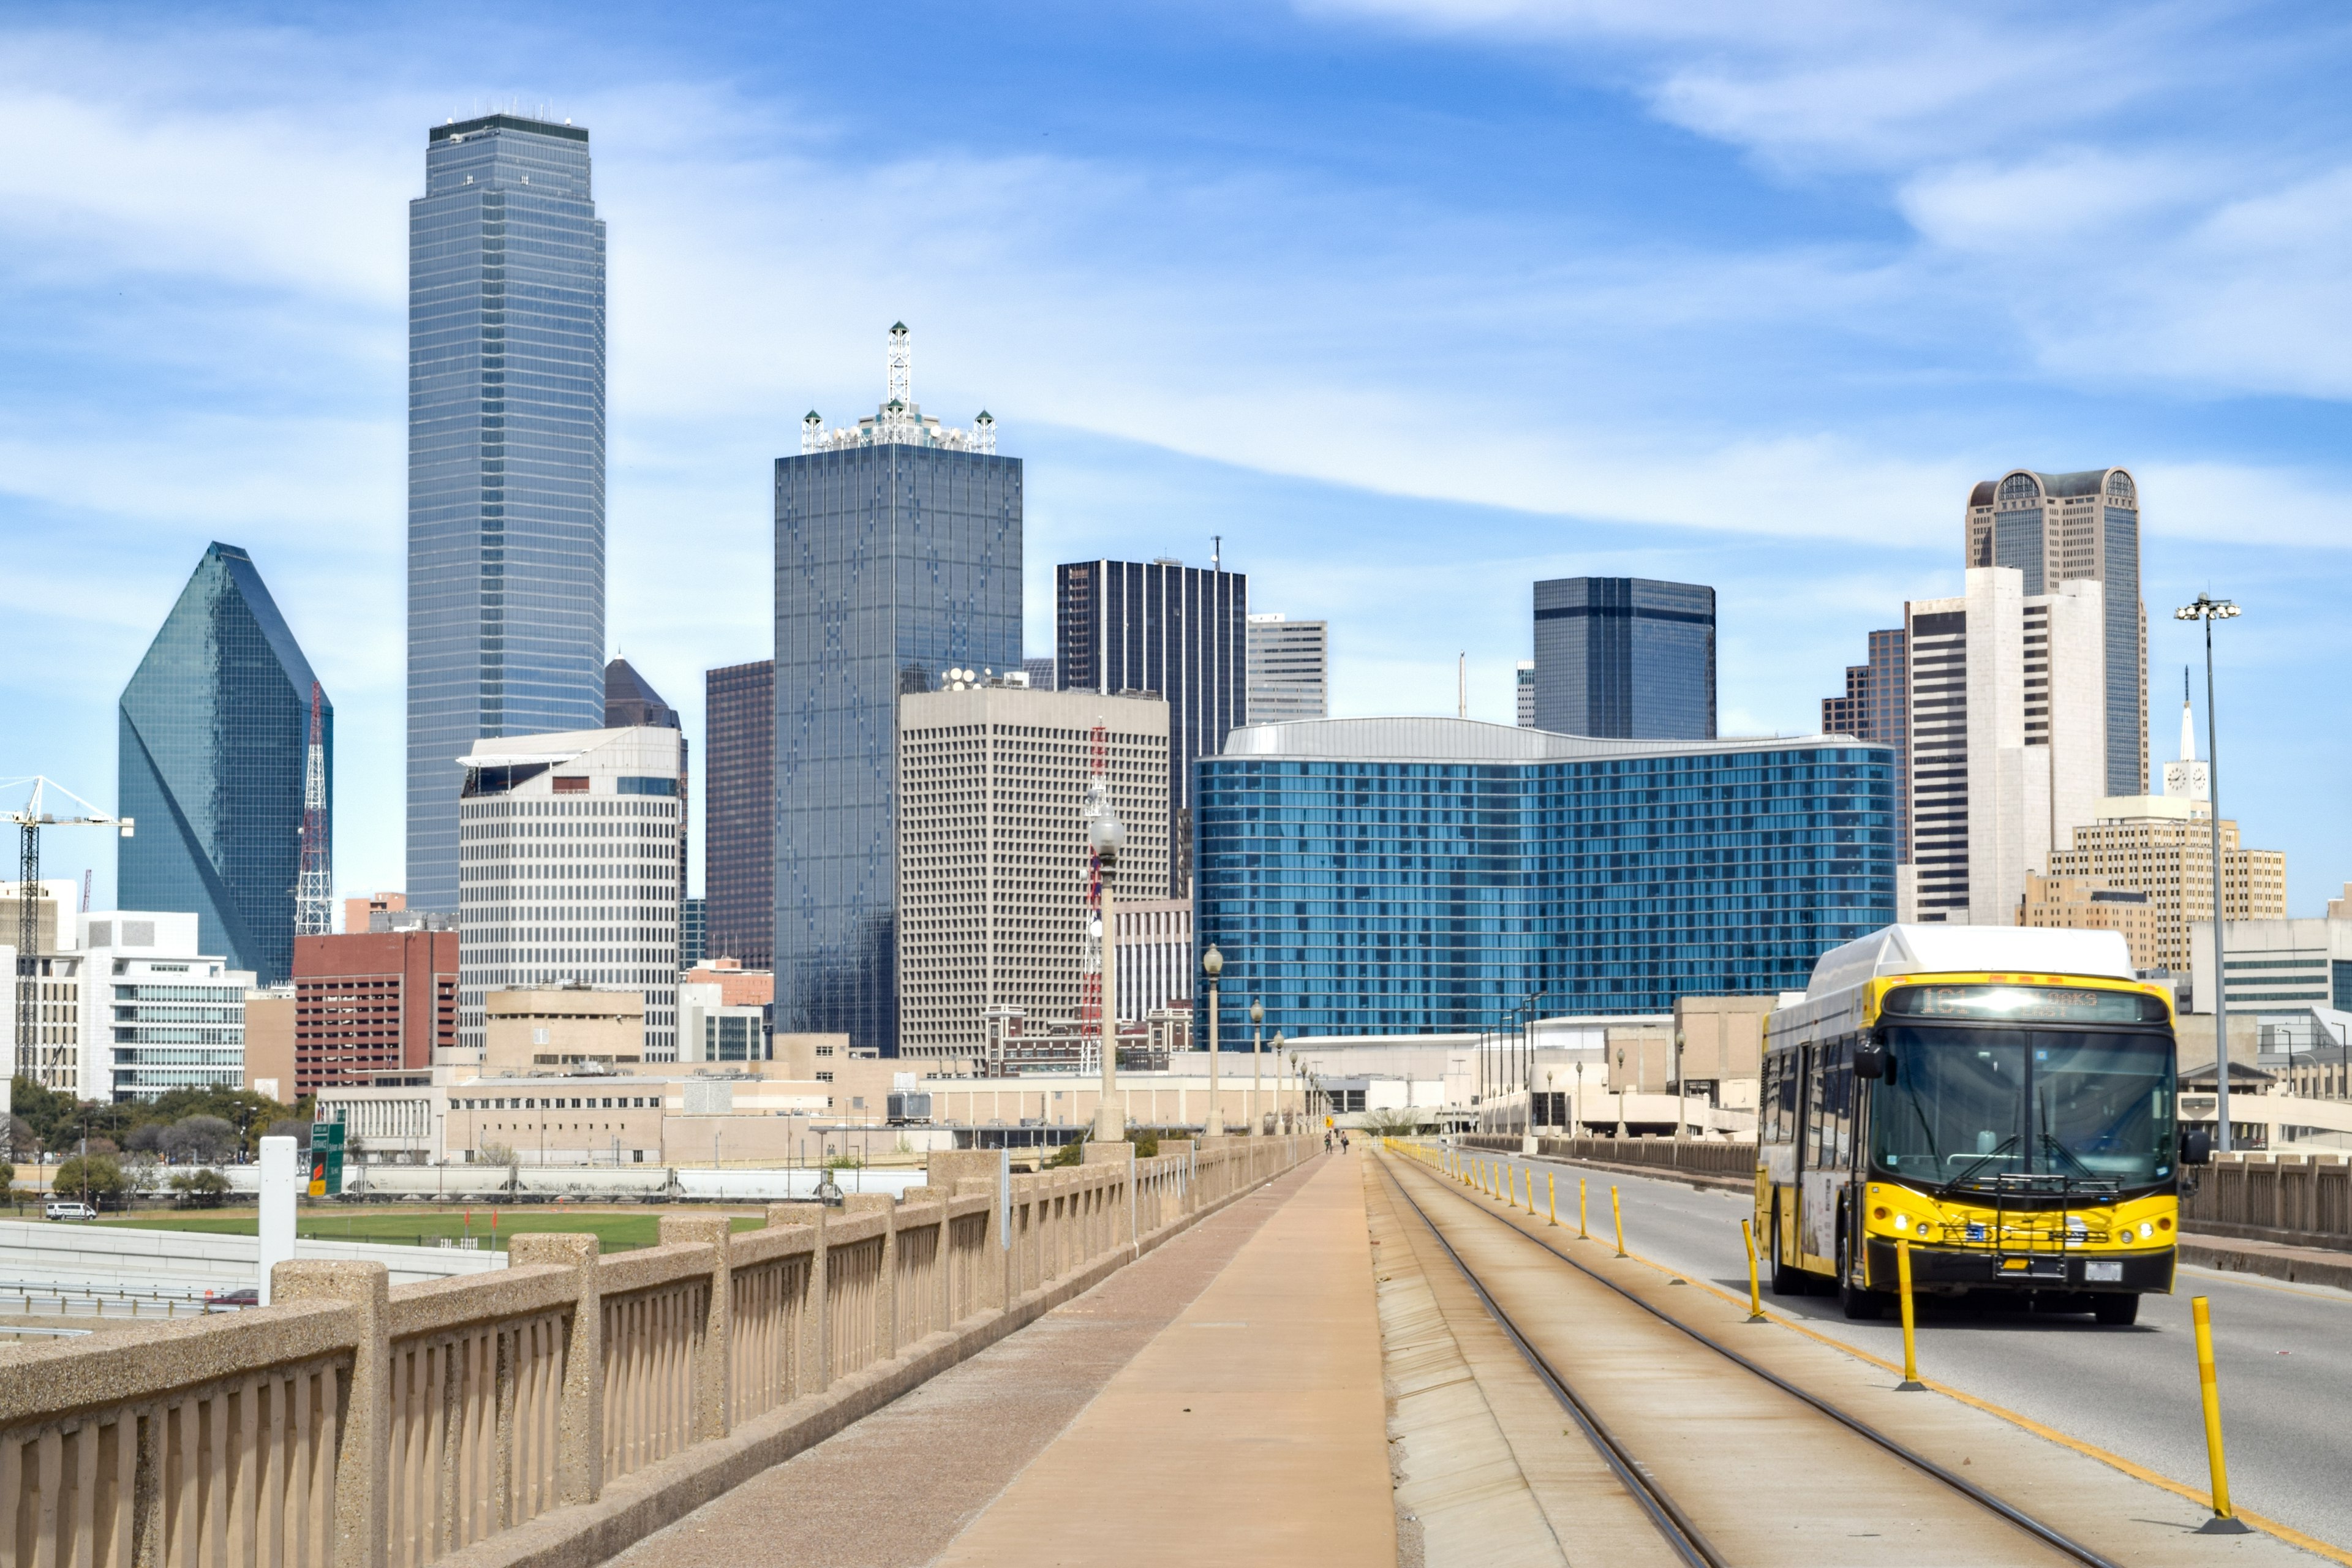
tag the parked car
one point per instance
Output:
(248, 1297)
(66, 1209)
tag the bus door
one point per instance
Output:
(1826, 1150)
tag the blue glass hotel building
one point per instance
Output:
(1423, 876)
(214, 729)
(1625, 659)
(505, 461)
(898, 558)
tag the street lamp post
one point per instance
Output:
(1107, 836)
(1212, 964)
(1257, 1053)
(1277, 1045)
(2209, 609)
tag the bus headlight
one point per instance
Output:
(2146, 1230)
(1903, 1222)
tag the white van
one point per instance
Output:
(68, 1208)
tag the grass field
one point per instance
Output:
(617, 1230)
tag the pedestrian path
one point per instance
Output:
(1250, 1429)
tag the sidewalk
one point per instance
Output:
(1250, 1429)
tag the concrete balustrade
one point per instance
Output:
(557, 1410)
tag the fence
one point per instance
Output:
(356, 1426)
(2304, 1200)
(1694, 1156)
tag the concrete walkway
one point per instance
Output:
(1250, 1429)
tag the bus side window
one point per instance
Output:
(1787, 1108)
(1817, 1145)
(1838, 1085)
(1768, 1121)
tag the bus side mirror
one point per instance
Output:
(1870, 1059)
(2196, 1146)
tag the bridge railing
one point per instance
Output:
(1696, 1154)
(2304, 1200)
(355, 1425)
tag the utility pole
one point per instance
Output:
(30, 822)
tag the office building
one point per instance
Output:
(1418, 875)
(738, 811)
(164, 1014)
(2163, 848)
(2279, 965)
(1877, 706)
(269, 1043)
(630, 701)
(1625, 659)
(2071, 903)
(506, 382)
(2061, 527)
(897, 559)
(555, 1028)
(1166, 627)
(2008, 741)
(1525, 685)
(693, 931)
(359, 912)
(711, 1030)
(738, 986)
(54, 1056)
(372, 1002)
(1289, 670)
(215, 727)
(1040, 672)
(570, 873)
(992, 856)
(1155, 959)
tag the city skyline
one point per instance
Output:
(1837, 501)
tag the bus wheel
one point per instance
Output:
(1858, 1304)
(1785, 1281)
(2116, 1311)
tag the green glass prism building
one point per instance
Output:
(1431, 876)
(897, 559)
(505, 461)
(214, 729)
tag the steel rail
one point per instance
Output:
(1974, 1493)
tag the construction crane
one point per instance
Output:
(29, 823)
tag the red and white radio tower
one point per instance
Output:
(314, 912)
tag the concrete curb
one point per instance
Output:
(652, 1499)
(2294, 1266)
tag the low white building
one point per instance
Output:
(162, 1014)
(709, 1030)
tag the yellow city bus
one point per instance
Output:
(2002, 1099)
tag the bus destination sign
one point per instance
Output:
(2025, 1003)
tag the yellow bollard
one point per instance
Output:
(1618, 1210)
(1582, 1233)
(1910, 1383)
(1755, 1291)
(1531, 1192)
(2223, 1521)
(1551, 1197)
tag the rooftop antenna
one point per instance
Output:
(900, 365)
(1462, 684)
(1216, 553)
(314, 911)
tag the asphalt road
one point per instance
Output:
(2283, 1356)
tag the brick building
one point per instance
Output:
(371, 1002)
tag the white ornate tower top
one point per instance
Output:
(900, 421)
(2188, 779)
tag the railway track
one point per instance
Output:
(1732, 1461)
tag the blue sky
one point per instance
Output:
(1412, 301)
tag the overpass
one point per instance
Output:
(1240, 1351)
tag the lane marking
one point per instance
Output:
(2138, 1472)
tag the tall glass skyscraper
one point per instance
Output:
(505, 461)
(898, 558)
(214, 728)
(1625, 659)
(739, 811)
(1161, 625)
(1423, 876)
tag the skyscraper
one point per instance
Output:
(1877, 706)
(2056, 527)
(1523, 685)
(630, 701)
(213, 727)
(738, 811)
(1180, 631)
(1289, 670)
(506, 381)
(1625, 659)
(897, 557)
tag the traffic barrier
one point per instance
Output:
(1755, 1291)
(1910, 1383)
(2224, 1522)
(1551, 1197)
(1582, 1233)
(1617, 1208)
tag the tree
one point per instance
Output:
(205, 1139)
(147, 1139)
(1391, 1123)
(100, 1176)
(202, 1189)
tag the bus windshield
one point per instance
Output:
(1962, 1106)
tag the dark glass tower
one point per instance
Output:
(505, 461)
(1161, 626)
(1877, 706)
(1625, 659)
(739, 811)
(214, 729)
(897, 557)
(629, 700)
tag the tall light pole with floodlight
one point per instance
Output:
(1257, 1052)
(1107, 836)
(1212, 964)
(2209, 609)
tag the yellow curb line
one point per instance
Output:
(2287, 1533)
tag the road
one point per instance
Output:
(2283, 1356)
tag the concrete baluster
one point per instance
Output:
(364, 1458)
(886, 1288)
(812, 1362)
(579, 1411)
(710, 1412)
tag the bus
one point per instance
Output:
(2002, 1099)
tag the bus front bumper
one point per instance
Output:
(1952, 1269)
